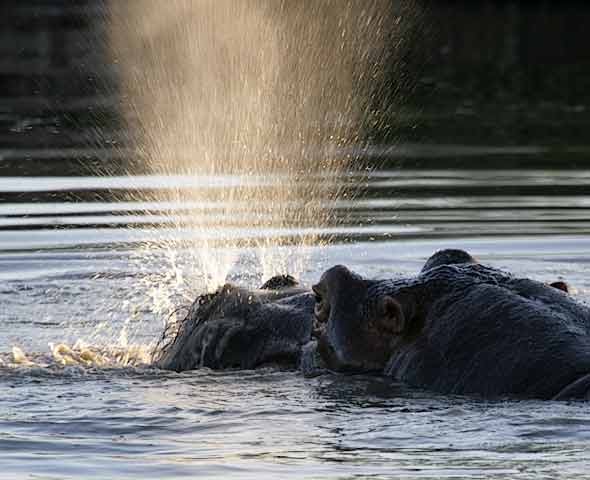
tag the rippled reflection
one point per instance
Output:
(395, 204)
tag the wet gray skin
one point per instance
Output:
(240, 328)
(449, 256)
(457, 327)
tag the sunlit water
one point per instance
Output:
(87, 282)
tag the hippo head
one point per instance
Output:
(361, 322)
(238, 327)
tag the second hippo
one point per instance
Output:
(457, 327)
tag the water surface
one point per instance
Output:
(78, 263)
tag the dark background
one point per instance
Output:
(482, 73)
(497, 72)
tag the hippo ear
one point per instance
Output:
(560, 285)
(391, 316)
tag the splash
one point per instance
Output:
(80, 355)
(259, 99)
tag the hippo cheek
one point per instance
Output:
(363, 341)
(350, 348)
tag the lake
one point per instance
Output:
(82, 267)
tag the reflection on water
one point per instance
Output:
(395, 204)
(76, 273)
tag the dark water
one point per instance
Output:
(71, 270)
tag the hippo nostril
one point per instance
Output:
(318, 311)
(317, 293)
(321, 309)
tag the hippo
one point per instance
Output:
(458, 327)
(235, 327)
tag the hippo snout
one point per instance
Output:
(358, 324)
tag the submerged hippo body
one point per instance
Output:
(240, 328)
(458, 327)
